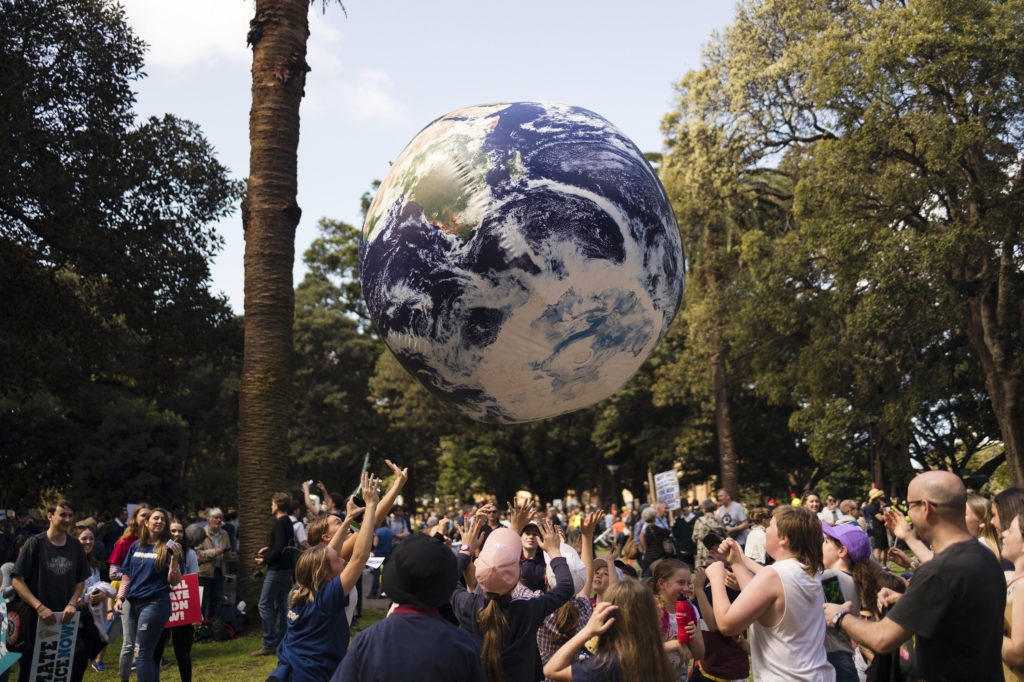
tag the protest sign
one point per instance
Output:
(667, 486)
(185, 602)
(55, 650)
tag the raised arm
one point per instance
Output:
(743, 567)
(353, 570)
(733, 618)
(897, 524)
(383, 507)
(559, 666)
(521, 512)
(388, 500)
(587, 549)
(706, 612)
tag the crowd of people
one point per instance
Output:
(815, 589)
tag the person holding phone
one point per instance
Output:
(843, 548)
(151, 567)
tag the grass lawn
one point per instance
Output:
(218, 661)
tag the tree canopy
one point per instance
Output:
(110, 332)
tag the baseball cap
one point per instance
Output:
(497, 567)
(850, 536)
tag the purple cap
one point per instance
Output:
(850, 536)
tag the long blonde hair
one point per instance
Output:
(635, 636)
(158, 540)
(312, 571)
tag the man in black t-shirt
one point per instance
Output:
(49, 576)
(954, 605)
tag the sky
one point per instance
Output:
(390, 67)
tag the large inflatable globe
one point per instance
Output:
(521, 260)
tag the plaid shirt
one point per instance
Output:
(548, 638)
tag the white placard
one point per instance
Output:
(55, 650)
(666, 484)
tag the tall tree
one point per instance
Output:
(718, 195)
(106, 232)
(278, 33)
(907, 122)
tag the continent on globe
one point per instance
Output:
(521, 260)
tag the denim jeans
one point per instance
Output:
(846, 671)
(124, 663)
(148, 617)
(274, 605)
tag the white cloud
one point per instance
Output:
(187, 34)
(364, 95)
(370, 98)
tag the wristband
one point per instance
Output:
(465, 548)
(40, 605)
(837, 622)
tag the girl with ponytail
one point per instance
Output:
(506, 630)
(318, 629)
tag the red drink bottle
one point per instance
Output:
(683, 618)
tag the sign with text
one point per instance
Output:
(55, 650)
(185, 602)
(666, 484)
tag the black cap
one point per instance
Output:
(421, 571)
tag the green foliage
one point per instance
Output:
(333, 423)
(847, 178)
(106, 232)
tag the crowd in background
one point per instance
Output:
(528, 590)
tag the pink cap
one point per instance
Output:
(497, 567)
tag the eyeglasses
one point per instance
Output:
(913, 503)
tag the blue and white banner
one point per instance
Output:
(55, 650)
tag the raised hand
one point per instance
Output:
(590, 522)
(601, 619)
(370, 487)
(897, 524)
(474, 535)
(353, 510)
(732, 551)
(550, 539)
(521, 512)
(401, 475)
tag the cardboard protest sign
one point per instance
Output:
(185, 602)
(55, 650)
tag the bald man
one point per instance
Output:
(955, 602)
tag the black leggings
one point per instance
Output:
(182, 637)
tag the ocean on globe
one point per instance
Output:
(521, 260)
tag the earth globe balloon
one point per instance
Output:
(521, 260)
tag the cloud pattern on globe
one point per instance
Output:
(521, 260)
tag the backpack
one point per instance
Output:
(222, 631)
(659, 544)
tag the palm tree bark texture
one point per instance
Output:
(270, 214)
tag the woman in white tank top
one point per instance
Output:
(781, 603)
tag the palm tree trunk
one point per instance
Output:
(270, 214)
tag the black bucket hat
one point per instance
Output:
(421, 571)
